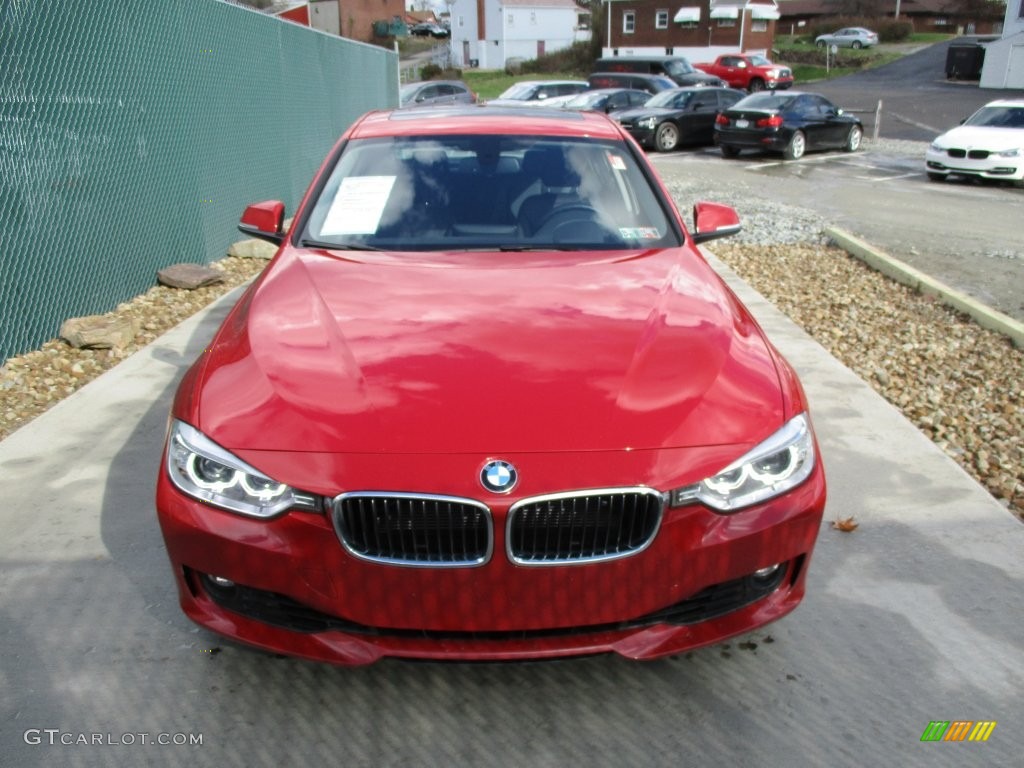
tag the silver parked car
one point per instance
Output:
(434, 93)
(848, 37)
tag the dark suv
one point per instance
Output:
(649, 83)
(677, 68)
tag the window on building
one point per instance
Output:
(661, 20)
(727, 22)
(511, 19)
(629, 22)
(758, 25)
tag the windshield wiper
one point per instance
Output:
(310, 243)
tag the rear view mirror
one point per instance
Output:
(713, 220)
(264, 220)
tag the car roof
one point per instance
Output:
(527, 121)
(1006, 103)
(634, 75)
(434, 82)
(550, 82)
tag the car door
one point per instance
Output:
(833, 128)
(805, 115)
(428, 95)
(697, 123)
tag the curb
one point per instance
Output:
(903, 273)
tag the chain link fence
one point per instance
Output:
(133, 133)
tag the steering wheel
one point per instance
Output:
(566, 214)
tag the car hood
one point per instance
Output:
(638, 113)
(982, 137)
(487, 353)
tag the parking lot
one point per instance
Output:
(910, 619)
(964, 233)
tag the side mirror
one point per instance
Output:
(713, 220)
(264, 220)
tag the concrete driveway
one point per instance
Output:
(914, 617)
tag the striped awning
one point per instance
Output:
(767, 12)
(687, 16)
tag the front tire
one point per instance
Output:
(853, 139)
(756, 84)
(729, 152)
(666, 137)
(796, 147)
(821, 43)
(856, 45)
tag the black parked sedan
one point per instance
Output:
(791, 123)
(679, 116)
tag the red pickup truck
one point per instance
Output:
(749, 71)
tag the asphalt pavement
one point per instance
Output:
(918, 102)
(913, 617)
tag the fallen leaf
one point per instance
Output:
(846, 525)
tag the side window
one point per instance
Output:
(628, 22)
(822, 107)
(661, 20)
(430, 92)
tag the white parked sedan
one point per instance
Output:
(540, 93)
(988, 145)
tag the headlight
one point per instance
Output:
(647, 123)
(205, 471)
(936, 147)
(1015, 152)
(780, 463)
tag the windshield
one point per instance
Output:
(486, 192)
(407, 92)
(998, 117)
(767, 101)
(586, 100)
(677, 67)
(676, 99)
(520, 91)
(760, 61)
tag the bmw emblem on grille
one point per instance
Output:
(499, 476)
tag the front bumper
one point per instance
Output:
(643, 136)
(296, 590)
(991, 167)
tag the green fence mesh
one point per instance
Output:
(133, 133)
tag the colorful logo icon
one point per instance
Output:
(958, 730)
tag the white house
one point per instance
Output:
(1004, 58)
(487, 33)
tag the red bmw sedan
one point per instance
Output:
(488, 402)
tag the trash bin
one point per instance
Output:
(964, 60)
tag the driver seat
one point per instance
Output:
(558, 185)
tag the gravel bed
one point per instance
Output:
(960, 384)
(33, 382)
